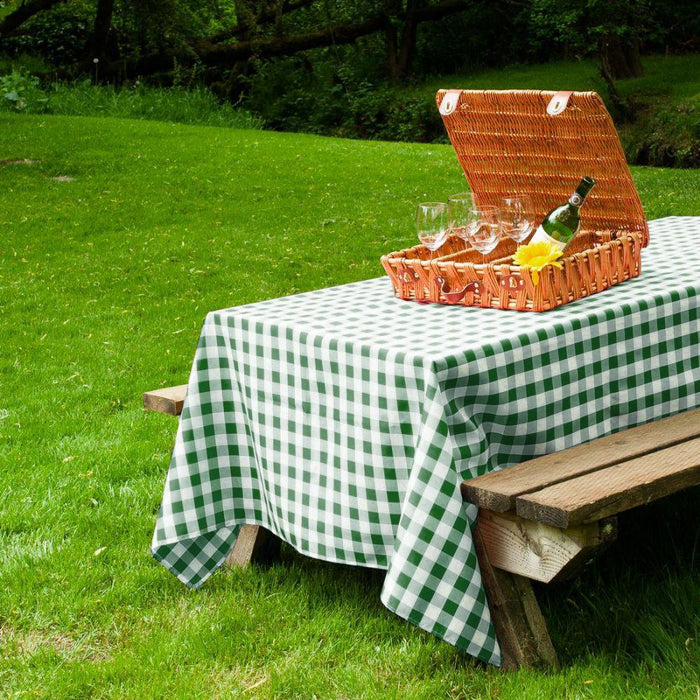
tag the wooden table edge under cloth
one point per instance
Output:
(539, 143)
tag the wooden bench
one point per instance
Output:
(542, 519)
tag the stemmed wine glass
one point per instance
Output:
(458, 206)
(483, 230)
(432, 224)
(516, 217)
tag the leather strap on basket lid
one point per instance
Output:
(507, 142)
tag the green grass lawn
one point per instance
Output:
(673, 76)
(117, 237)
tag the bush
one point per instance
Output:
(59, 35)
(390, 115)
(20, 92)
(334, 100)
(668, 135)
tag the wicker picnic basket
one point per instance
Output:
(538, 143)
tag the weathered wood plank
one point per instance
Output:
(520, 626)
(168, 400)
(540, 552)
(249, 537)
(615, 489)
(497, 491)
(253, 543)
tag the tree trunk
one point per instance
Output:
(245, 21)
(621, 109)
(407, 51)
(392, 10)
(402, 50)
(620, 59)
(102, 47)
(392, 58)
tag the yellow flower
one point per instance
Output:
(536, 256)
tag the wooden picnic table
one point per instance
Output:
(350, 424)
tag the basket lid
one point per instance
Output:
(542, 143)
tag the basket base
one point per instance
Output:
(459, 275)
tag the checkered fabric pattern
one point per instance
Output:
(343, 420)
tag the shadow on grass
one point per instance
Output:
(634, 604)
(637, 602)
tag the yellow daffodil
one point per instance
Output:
(536, 256)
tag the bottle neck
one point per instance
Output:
(576, 200)
(585, 186)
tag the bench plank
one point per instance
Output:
(497, 491)
(537, 551)
(615, 489)
(168, 400)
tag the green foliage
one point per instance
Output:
(669, 136)
(486, 34)
(137, 101)
(105, 282)
(20, 92)
(389, 115)
(59, 35)
(567, 28)
(150, 26)
(667, 100)
(24, 63)
(326, 99)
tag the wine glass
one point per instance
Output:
(516, 217)
(458, 206)
(483, 230)
(432, 224)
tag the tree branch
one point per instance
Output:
(217, 54)
(10, 23)
(267, 14)
(212, 54)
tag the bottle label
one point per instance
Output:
(541, 236)
(576, 199)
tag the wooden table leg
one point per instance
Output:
(520, 626)
(253, 541)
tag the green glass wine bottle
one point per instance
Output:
(562, 223)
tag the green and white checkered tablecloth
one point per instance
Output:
(343, 420)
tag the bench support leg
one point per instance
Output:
(520, 626)
(252, 541)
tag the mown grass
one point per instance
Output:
(666, 102)
(105, 276)
(672, 75)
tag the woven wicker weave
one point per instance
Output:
(507, 143)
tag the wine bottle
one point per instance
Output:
(562, 223)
